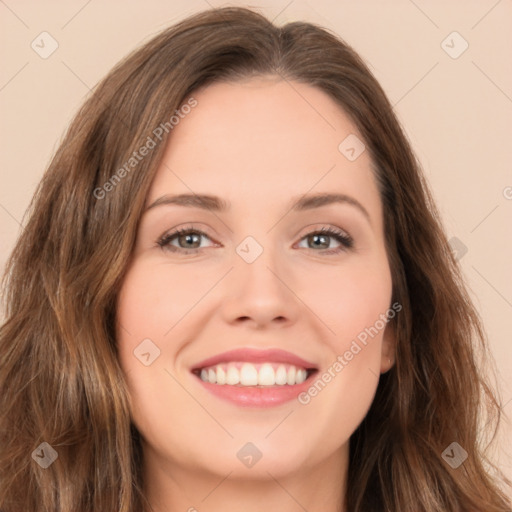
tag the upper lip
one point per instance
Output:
(252, 355)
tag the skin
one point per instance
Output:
(257, 144)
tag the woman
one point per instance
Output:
(141, 371)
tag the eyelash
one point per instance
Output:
(344, 239)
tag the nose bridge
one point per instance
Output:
(259, 263)
(259, 287)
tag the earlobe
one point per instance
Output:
(388, 349)
(386, 364)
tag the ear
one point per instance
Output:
(388, 352)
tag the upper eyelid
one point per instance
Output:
(203, 231)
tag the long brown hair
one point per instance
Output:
(60, 380)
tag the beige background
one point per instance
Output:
(456, 111)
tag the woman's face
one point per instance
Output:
(257, 275)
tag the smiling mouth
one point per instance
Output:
(260, 375)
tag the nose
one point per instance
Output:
(260, 294)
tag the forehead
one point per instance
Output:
(264, 140)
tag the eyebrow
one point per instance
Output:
(216, 204)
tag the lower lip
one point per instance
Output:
(252, 396)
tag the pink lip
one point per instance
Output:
(250, 355)
(254, 396)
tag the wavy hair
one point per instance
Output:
(61, 381)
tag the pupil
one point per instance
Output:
(189, 237)
(317, 237)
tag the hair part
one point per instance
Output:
(61, 381)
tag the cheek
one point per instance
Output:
(156, 305)
(352, 303)
(150, 302)
(349, 300)
(155, 297)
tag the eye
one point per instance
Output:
(187, 239)
(320, 239)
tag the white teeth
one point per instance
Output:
(232, 377)
(221, 375)
(248, 374)
(291, 376)
(301, 376)
(281, 375)
(266, 375)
